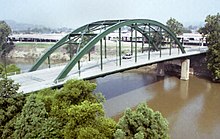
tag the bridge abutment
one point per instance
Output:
(185, 64)
(160, 69)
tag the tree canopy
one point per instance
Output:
(33, 122)
(5, 31)
(141, 124)
(78, 110)
(73, 112)
(11, 103)
(211, 31)
(175, 26)
(9, 69)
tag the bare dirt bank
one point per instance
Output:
(33, 52)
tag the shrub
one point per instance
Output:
(141, 124)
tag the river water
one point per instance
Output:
(192, 107)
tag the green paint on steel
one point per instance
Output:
(149, 44)
(131, 40)
(110, 29)
(53, 48)
(142, 47)
(135, 46)
(79, 67)
(48, 53)
(146, 36)
(65, 39)
(119, 46)
(101, 54)
(170, 46)
(49, 61)
(105, 48)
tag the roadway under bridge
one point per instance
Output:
(83, 41)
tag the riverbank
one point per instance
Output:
(34, 51)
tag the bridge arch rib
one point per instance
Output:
(108, 26)
(91, 43)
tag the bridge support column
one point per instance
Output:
(160, 69)
(185, 69)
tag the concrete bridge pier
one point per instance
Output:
(185, 64)
(160, 69)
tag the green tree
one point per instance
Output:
(141, 124)
(9, 68)
(5, 30)
(157, 38)
(5, 47)
(12, 68)
(175, 26)
(1, 68)
(86, 120)
(79, 111)
(211, 31)
(11, 103)
(34, 122)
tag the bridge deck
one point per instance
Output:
(37, 80)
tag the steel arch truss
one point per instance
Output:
(86, 37)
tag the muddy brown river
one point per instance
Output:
(192, 107)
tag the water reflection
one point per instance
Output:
(122, 83)
(209, 117)
(191, 107)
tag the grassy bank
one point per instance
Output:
(34, 44)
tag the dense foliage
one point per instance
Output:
(71, 112)
(212, 32)
(78, 111)
(9, 69)
(33, 122)
(11, 104)
(141, 124)
(5, 30)
(5, 44)
(175, 26)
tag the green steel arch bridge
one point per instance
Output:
(160, 39)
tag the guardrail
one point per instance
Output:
(60, 80)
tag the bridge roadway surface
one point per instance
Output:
(44, 78)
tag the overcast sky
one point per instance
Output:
(74, 13)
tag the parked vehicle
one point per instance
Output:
(127, 56)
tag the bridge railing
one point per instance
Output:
(13, 73)
(60, 80)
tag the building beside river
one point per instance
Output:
(185, 38)
(36, 37)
